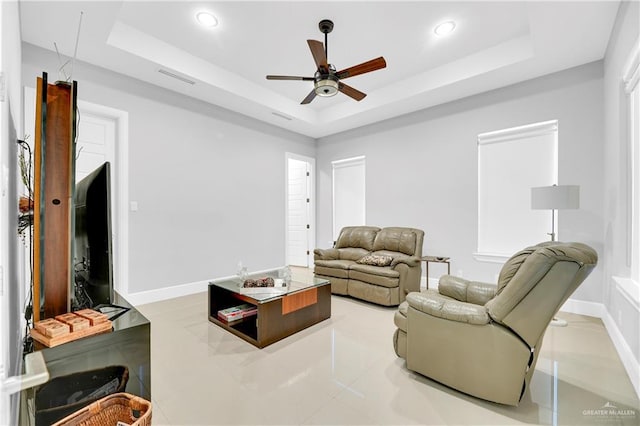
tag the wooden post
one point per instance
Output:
(54, 183)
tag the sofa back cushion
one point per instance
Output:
(352, 253)
(402, 240)
(357, 237)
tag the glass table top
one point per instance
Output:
(265, 294)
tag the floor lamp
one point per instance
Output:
(554, 198)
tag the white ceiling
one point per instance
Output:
(495, 44)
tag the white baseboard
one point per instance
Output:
(624, 352)
(165, 293)
(598, 310)
(157, 295)
(433, 283)
(581, 307)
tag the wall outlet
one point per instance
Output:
(459, 273)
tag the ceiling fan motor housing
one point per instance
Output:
(326, 84)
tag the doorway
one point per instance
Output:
(348, 193)
(300, 218)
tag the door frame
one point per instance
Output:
(312, 204)
(120, 183)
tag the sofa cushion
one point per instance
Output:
(375, 260)
(333, 268)
(385, 277)
(401, 240)
(351, 253)
(375, 270)
(357, 236)
(336, 264)
(374, 293)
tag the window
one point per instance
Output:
(510, 163)
(631, 77)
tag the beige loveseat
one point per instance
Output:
(377, 265)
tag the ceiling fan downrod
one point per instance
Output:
(326, 26)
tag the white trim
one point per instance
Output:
(348, 161)
(598, 310)
(165, 293)
(312, 204)
(631, 70)
(582, 307)
(630, 78)
(630, 289)
(630, 363)
(179, 290)
(491, 257)
(519, 132)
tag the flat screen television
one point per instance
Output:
(93, 255)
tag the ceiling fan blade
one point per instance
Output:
(317, 50)
(372, 65)
(288, 77)
(350, 91)
(309, 98)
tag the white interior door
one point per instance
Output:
(299, 212)
(348, 193)
(95, 145)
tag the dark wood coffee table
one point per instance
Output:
(281, 312)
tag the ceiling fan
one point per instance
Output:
(326, 80)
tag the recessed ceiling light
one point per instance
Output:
(444, 28)
(206, 19)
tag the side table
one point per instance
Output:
(435, 259)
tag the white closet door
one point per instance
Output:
(95, 145)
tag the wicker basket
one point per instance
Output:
(65, 395)
(108, 411)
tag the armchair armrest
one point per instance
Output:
(326, 254)
(442, 307)
(411, 261)
(466, 291)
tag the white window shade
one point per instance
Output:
(510, 163)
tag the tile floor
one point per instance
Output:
(343, 371)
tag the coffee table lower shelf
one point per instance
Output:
(277, 318)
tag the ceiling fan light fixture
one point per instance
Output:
(326, 87)
(444, 28)
(206, 19)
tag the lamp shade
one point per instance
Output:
(555, 197)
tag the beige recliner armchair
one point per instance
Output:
(484, 339)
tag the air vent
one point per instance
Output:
(277, 114)
(176, 76)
